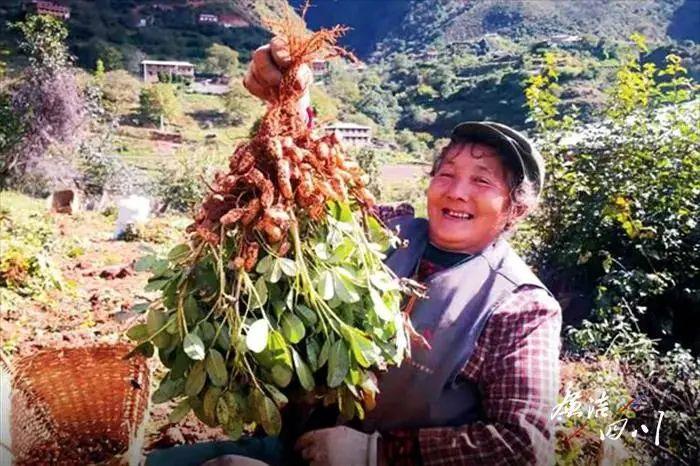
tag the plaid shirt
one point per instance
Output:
(516, 367)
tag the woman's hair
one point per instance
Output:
(523, 195)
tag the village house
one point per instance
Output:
(320, 68)
(152, 69)
(233, 21)
(430, 54)
(207, 18)
(47, 8)
(352, 134)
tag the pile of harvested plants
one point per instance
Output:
(280, 287)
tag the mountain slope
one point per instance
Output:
(124, 32)
(415, 24)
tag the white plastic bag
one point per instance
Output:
(132, 210)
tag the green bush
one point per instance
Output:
(619, 215)
(159, 100)
(619, 224)
(27, 236)
(182, 186)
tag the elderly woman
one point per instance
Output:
(483, 391)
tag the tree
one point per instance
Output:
(325, 106)
(221, 60)
(99, 69)
(159, 100)
(240, 105)
(120, 91)
(48, 107)
(44, 42)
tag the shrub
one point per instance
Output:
(241, 106)
(618, 222)
(221, 59)
(27, 236)
(182, 186)
(120, 91)
(159, 101)
(619, 215)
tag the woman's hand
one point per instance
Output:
(265, 70)
(338, 446)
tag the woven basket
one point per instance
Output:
(79, 406)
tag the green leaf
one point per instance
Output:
(179, 252)
(323, 355)
(281, 375)
(278, 349)
(379, 306)
(206, 332)
(191, 309)
(270, 417)
(265, 264)
(343, 251)
(196, 379)
(155, 320)
(140, 308)
(292, 328)
(289, 300)
(288, 266)
(222, 412)
(180, 411)
(145, 348)
(376, 230)
(193, 346)
(383, 281)
(256, 338)
(345, 290)
(145, 263)
(307, 315)
(209, 403)
(275, 273)
(325, 285)
(234, 428)
(345, 214)
(160, 268)
(155, 285)
(321, 250)
(364, 351)
(260, 297)
(216, 368)
(312, 353)
(333, 208)
(223, 341)
(180, 366)
(346, 404)
(278, 397)
(138, 332)
(167, 390)
(305, 376)
(338, 363)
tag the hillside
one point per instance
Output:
(413, 25)
(124, 32)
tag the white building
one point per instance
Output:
(351, 133)
(207, 18)
(151, 69)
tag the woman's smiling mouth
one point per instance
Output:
(458, 214)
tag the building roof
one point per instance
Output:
(232, 19)
(343, 125)
(166, 62)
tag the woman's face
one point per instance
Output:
(468, 199)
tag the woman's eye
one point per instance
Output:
(445, 175)
(483, 181)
